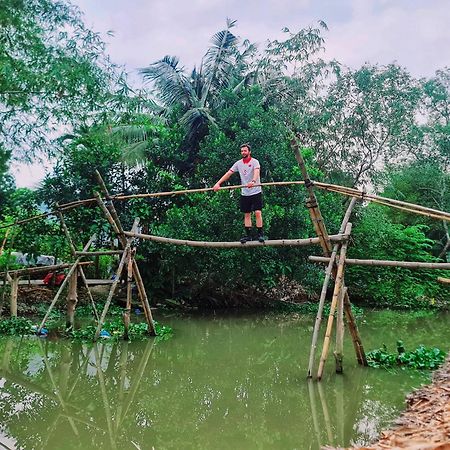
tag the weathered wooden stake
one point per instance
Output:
(339, 284)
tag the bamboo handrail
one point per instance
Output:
(343, 190)
(384, 263)
(251, 244)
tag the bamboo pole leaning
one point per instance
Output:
(338, 286)
(113, 218)
(63, 285)
(384, 263)
(80, 269)
(323, 293)
(115, 283)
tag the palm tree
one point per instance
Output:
(198, 94)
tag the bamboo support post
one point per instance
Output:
(114, 220)
(339, 282)
(339, 350)
(127, 312)
(325, 246)
(72, 300)
(353, 328)
(324, 290)
(63, 285)
(14, 283)
(115, 284)
(80, 269)
(385, 263)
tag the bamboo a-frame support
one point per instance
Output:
(332, 246)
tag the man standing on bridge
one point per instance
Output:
(251, 195)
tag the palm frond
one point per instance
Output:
(135, 155)
(131, 134)
(170, 81)
(219, 59)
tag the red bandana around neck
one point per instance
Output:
(246, 160)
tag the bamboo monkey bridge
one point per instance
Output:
(334, 249)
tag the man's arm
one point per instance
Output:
(255, 177)
(224, 178)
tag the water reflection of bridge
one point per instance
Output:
(60, 386)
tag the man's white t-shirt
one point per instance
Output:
(246, 172)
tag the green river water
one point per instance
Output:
(221, 382)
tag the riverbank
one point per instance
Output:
(425, 424)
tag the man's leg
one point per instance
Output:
(248, 228)
(259, 225)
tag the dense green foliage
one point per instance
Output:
(376, 126)
(420, 358)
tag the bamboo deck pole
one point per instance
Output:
(4, 241)
(80, 268)
(443, 280)
(115, 284)
(136, 273)
(63, 285)
(339, 351)
(323, 293)
(14, 283)
(384, 263)
(251, 244)
(339, 284)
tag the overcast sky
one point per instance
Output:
(414, 33)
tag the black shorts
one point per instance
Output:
(251, 203)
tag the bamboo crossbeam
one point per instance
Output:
(251, 244)
(444, 280)
(385, 263)
(100, 253)
(34, 270)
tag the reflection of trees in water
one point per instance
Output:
(58, 404)
(214, 384)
